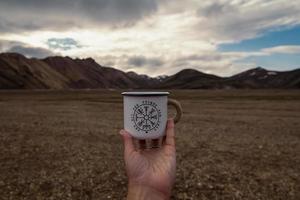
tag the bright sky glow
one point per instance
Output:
(157, 37)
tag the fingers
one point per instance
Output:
(128, 143)
(170, 135)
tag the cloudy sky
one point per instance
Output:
(157, 37)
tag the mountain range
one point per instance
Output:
(20, 72)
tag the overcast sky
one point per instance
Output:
(157, 37)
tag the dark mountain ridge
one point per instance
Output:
(19, 72)
(262, 78)
(190, 79)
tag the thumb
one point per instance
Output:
(128, 143)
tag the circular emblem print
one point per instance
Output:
(146, 116)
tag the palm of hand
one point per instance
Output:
(154, 168)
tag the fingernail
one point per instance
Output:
(170, 123)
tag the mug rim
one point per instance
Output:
(146, 93)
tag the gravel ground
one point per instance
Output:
(230, 145)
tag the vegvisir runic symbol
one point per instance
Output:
(146, 116)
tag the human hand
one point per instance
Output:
(151, 173)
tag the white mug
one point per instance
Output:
(145, 116)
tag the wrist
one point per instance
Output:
(143, 192)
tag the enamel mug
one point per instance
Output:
(145, 117)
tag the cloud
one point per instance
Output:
(111, 60)
(141, 34)
(285, 49)
(215, 8)
(141, 61)
(237, 20)
(35, 52)
(139, 64)
(29, 15)
(7, 44)
(63, 43)
(25, 49)
(221, 63)
(209, 62)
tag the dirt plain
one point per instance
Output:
(230, 145)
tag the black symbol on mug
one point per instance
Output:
(146, 116)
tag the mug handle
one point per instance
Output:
(178, 108)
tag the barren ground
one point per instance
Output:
(230, 145)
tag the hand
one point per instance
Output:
(151, 173)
